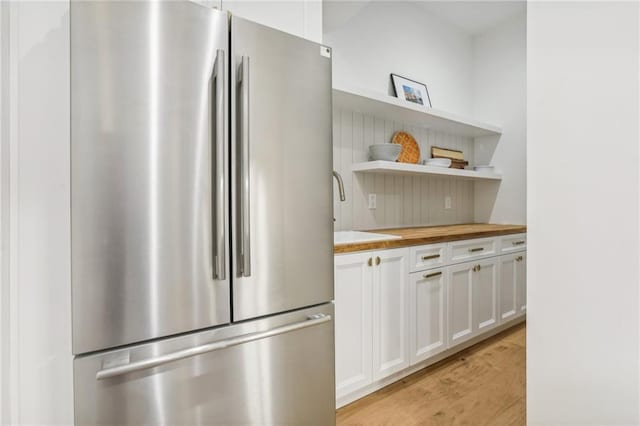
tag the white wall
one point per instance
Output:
(382, 38)
(371, 40)
(299, 17)
(4, 217)
(401, 200)
(482, 75)
(583, 255)
(39, 373)
(499, 96)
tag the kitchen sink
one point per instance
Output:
(350, 237)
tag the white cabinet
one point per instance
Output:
(513, 290)
(390, 317)
(427, 314)
(353, 325)
(399, 307)
(485, 295)
(472, 299)
(302, 18)
(428, 257)
(468, 250)
(513, 243)
(508, 304)
(460, 302)
(521, 283)
(371, 324)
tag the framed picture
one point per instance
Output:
(410, 90)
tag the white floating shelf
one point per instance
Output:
(395, 109)
(390, 167)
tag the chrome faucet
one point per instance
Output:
(340, 185)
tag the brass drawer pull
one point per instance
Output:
(473, 250)
(432, 256)
(435, 274)
(377, 260)
(370, 262)
(477, 268)
(517, 243)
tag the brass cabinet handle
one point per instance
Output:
(370, 262)
(517, 243)
(377, 260)
(433, 256)
(435, 274)
(476, 268)
(519, 258)
(473, 250)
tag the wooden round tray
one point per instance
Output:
(410, 150)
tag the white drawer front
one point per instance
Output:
(511, 243)
(427, 257)
(462, 251)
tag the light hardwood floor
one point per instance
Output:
(482, 385)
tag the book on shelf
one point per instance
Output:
(458, 164)
(453, 154)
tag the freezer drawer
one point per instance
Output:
(278, 370)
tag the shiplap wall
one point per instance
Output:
(401, 200)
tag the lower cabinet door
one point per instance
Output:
(390, 313)
(485, 295)
(507, 303)
(460, 302)
(427, 314)
(521, 283)
(353, 300)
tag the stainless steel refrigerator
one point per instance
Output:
(202, 245)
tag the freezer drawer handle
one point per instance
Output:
(210, 347)
(244, 246)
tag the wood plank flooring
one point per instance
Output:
(482, 385)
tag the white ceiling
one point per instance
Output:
(471, 16)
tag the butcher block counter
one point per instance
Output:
(431, 234)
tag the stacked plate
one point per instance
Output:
(438, 162)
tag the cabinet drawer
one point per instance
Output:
(427, 257)
(511, 243)
(462, 251)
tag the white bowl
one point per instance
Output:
(438, 162)
(483, 169)
(385, 151)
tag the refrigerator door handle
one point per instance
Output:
(244, 255)
(219, 265)
(202, 349)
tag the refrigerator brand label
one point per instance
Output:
(325, 51)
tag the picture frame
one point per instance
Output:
(411, 90)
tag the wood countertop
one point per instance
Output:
(431, 234)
